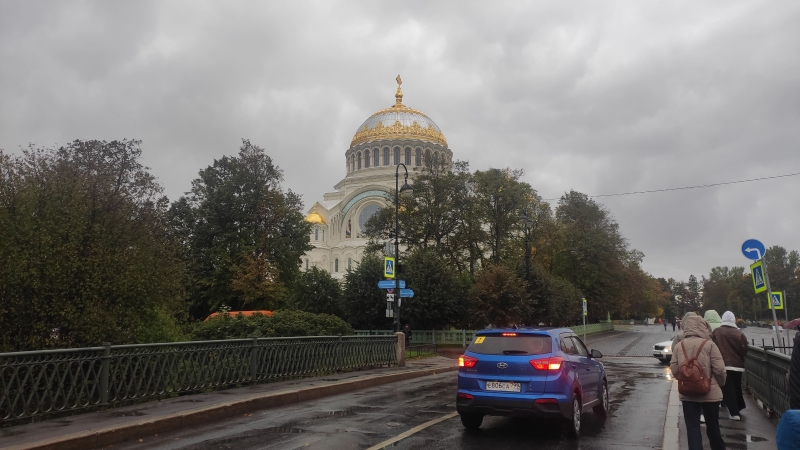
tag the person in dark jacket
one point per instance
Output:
(407, 332)
(697, 341)
(794, 374)
(733, 345)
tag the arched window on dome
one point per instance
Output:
(336, 265)
(396, 156)
(352, 163)
(349, 263)
(316, 234)
(366, 159)
(436, 160)
(376, 157)
(358, 160)
(418, 157)
(428, 157)
(408, 156)
(386, 156)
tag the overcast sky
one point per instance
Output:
(600, 97)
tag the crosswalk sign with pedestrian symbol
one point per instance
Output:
(388, 267)
(759, 283)
(776, 300)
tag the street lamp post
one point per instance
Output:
(526, 221)
(406, 191)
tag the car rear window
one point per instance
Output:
(511, 345)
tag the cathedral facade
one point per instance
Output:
(391, 136)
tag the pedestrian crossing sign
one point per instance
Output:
(776, 300)
(759, 283)
(388, 267)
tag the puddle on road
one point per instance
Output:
(351, 411)
(284, 429)
(745, 437)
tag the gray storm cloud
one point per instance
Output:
(601, 98)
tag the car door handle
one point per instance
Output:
(574, 366)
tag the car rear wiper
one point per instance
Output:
(515, 352)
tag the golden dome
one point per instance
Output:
(315, 217)
(398, 121)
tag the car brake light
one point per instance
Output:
(552, 363)
(509, 334)
(546, 400)
(463, 395)
(467, 361)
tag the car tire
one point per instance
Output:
(471, 421)
(602, 408)
(574, 422)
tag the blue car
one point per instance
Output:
(544, 373)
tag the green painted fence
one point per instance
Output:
(52, 381)
(464, 337)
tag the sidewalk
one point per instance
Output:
(102, 428)
(754, 432)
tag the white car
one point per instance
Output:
(663, 351)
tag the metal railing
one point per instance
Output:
(53, 381)
(765, 377)
(464, 337)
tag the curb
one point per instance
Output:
(672, 426)
(113, 435)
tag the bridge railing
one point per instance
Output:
(464, 337)
(53, 381)
(765, 377)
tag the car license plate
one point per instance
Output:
(502, 386)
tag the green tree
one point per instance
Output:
(87, 252)
(363, 303)
(440, 292)
(316, 291)
(244, 234)
(499, 297)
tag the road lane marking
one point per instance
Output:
(412, 431)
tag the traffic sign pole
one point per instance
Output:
(769, 299)
(786, 316)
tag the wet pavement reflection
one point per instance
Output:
(638, 388)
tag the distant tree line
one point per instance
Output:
(92, 251)
(731, 289)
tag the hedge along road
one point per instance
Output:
(420, 413)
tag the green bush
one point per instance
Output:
(280, 324)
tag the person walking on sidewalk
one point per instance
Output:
(713, 319)
(794, 374)
(674, 321)
(697, 341)
(666, 321)
(733, 346)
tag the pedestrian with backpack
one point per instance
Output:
(699, 371)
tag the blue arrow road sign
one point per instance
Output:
(389, 284)
(406, 293)
(753, 249)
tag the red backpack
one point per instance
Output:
(692, 379)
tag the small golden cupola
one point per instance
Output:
(314, 217)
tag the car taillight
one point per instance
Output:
(466, 396)
(546, 400)
(467, 361)
(509, 334)
(551, 363)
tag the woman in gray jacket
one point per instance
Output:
(696, 330)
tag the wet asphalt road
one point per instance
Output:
(638, 387)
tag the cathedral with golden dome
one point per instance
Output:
(389, 137)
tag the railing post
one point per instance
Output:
(105, 371)
(401, 349)
(254, 360)
(463, 338)
(339, 365)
